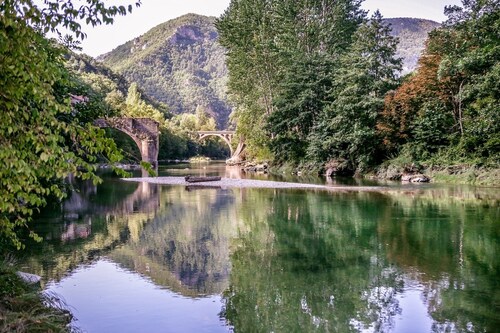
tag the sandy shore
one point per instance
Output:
(250, 183)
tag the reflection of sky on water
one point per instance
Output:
(107, 298)
(414, 317)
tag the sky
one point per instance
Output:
(153, 12)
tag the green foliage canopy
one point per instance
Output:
(42, 140)
(449, 109)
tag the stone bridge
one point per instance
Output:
(227, 136)
(144, 132)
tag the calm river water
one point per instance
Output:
(137, 257)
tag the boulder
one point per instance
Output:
(29, 278)
(414, 178)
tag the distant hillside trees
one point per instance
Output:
(119, 98)
(179, 138)
(179, 63)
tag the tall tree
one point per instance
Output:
(271, 46)
(368, 71)
(470, 63)
(246, 31)
(304, 94)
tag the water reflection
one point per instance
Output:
(357, 262)
(189, 239)
(119, 300)
(423, 259)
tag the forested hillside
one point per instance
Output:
(179, 63)
(110, 94)
(412, 34)
(112, 86)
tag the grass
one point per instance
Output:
(24, 308)
(465, 174)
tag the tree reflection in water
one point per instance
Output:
(297, 261)
(340, 263)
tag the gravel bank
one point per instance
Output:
(250, 183)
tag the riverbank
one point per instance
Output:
(24, 308)
(450, 174)
(464, 174)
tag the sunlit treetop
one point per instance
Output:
(54, 16)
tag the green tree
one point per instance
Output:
(246, 31)
(304, 95)
(272, 46)
(447, 112)
(40, 141)
(346, 128)
(136, 107)
(179, 138)
(471, 64)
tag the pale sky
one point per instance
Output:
(153, 12)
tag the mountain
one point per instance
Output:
(107, 82)
(412, 34)
(181, 63)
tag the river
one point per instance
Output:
(138, 257)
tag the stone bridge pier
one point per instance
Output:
(144, 132)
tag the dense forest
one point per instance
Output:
(182, 64)
(316, 83)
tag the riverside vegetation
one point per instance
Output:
(294, 101)
(312, 83)
(316, 83)
(43, 138)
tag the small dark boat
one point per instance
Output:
(194, 179)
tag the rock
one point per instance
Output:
(29, 278)
(406, 178)
(414, 178)
(252, 167)
(261, 167)
(421, 179)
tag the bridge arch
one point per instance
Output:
(144, 132)
(227, 136)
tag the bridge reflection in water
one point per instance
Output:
(182, 246)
